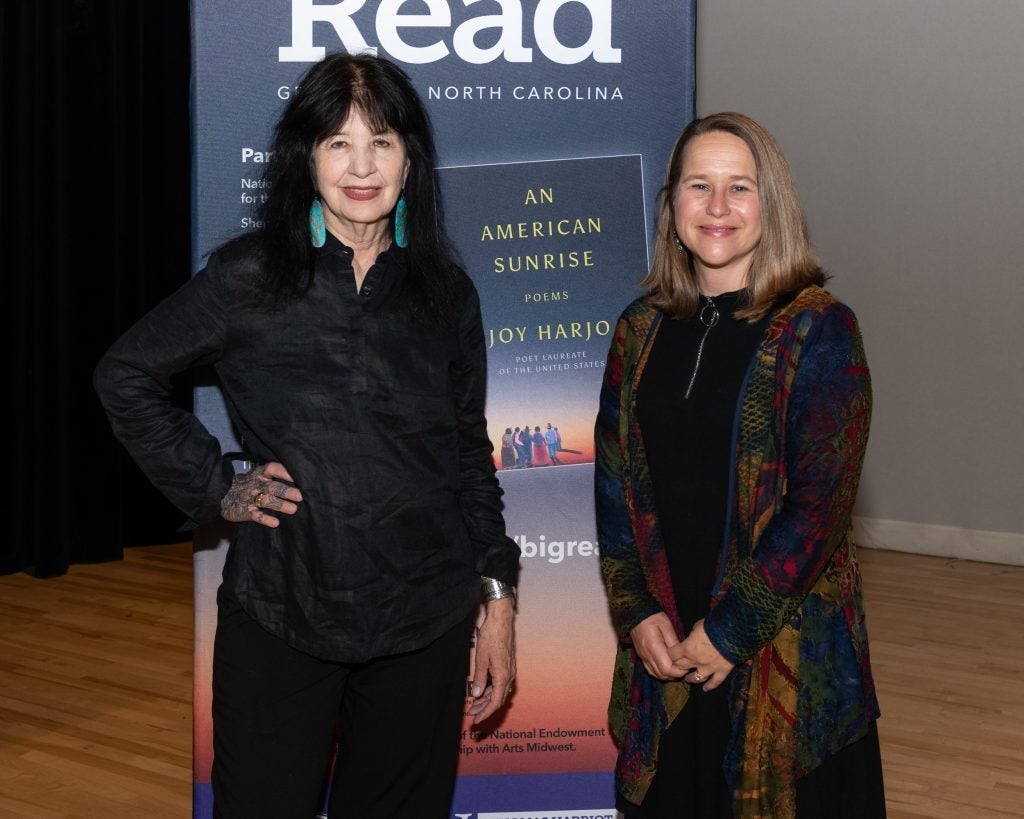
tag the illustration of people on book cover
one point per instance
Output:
(525, 447)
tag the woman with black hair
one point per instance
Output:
(350, 354)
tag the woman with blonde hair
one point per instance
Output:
(733, 420)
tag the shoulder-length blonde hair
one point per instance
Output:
(784, 261)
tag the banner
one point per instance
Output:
(554, 120)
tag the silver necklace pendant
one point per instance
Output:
(708, 316)
(709, 313)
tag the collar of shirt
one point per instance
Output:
(335, 259)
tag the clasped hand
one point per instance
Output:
(265, 488)
(694, 660)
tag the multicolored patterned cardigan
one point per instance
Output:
(787, 605)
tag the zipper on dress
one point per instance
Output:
(708, 316)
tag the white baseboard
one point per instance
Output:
(942, 541)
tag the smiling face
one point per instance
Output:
(359, 177)
(717, 210)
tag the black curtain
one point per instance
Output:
(94, 204)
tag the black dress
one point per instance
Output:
(686, 405)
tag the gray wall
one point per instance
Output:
(903, 121)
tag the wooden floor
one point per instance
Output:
(95, 687)
(947, 644)
(96, 690)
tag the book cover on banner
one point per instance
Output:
(556, 250)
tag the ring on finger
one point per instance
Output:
(258, 501)
(698, 677)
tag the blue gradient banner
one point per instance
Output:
(554, 120)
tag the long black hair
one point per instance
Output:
(383, 94)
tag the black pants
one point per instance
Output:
(276, 712)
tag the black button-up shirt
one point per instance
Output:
(377, 415)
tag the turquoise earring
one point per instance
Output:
(401, 230)
(317, 226)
